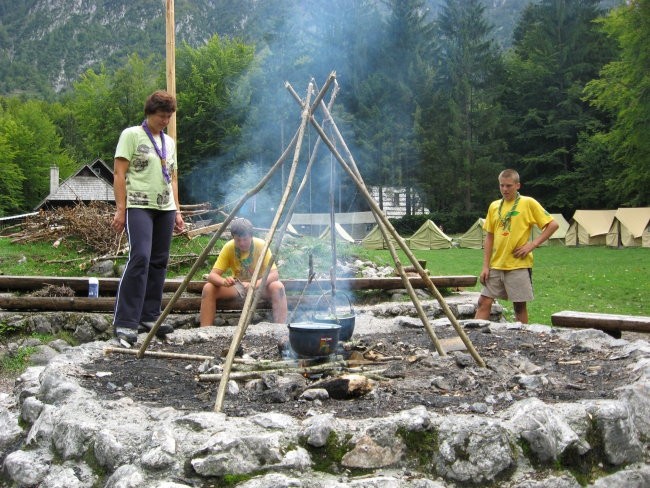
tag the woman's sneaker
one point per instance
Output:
(163, 330)
(126, 336)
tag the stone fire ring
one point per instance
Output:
(54, 433)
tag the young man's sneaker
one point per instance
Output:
(126, 336)
(163, 330)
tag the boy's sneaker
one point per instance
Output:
(127, 336)
(162, 331)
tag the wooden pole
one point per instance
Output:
(251, 296)
(249, 307)
(353, 172)
(170, 49)
(379, 217)
(204, 254)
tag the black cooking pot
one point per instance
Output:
(345, 319)
(309, 339)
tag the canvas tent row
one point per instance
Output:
(429, 236)
(589, 227)
(474, 237)
(559, 236)
(630, 228)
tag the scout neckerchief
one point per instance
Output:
(162, 152)
(505, 221)
(247, 263)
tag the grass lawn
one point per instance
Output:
(586, 279)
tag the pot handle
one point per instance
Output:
(337, 293)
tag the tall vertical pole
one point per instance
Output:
(170, 50)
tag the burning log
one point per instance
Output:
(246, 375)
(346, 386)
(254, 365)
(251, 370)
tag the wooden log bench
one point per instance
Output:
(109, 285)
(613, 324)
(299, 292)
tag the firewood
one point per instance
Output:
(347, 386)
(246, 375)
(159, 354)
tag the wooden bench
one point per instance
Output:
(299, 291)
(613, 324)
(109, 285)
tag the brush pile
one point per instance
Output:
(54, 291)
(89, 223)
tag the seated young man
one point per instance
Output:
(240, 255)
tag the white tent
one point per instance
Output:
(293, 230)
(630, 228)
(357, 224)
(429, 236)
(558, 237)
(340, 233)
(474, 237)
(589, 227)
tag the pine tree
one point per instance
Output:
(461, 122)
(622, 90)
(557, 50)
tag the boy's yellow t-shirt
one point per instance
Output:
(516, 232)
(241, 267)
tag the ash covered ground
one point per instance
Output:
(520, 363)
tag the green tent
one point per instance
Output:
(374, 240)
(429, 236)
(474, 237)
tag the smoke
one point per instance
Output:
(305, 40)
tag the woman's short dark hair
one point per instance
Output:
(161, 101)
(241, 227)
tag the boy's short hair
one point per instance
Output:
(510, 173)
(241, 227)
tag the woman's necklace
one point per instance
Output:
(162, 152)
(246, 263)
(505, 221)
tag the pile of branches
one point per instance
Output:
(89, 223)
(54, 291)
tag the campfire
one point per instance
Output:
(346, 161)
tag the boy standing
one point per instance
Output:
(507, 254)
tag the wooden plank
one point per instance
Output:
(601, 321)
(108, 286)
(202, 230)
(107, 304)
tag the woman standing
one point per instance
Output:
(146, 199)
